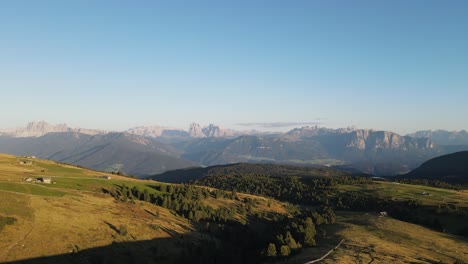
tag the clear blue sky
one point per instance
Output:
(393, 65)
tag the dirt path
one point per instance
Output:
(25, 236)
(326, 255)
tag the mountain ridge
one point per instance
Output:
(452, 168)
(374, 152)
(132, 154)
(41, 128)
(443, 137)
(383, 153)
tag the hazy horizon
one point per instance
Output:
(397, 66)
(274, 127)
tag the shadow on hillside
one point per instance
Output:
(126, 252)
(113, 227)
(176, 249)
(186, 248)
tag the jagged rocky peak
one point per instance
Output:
(41, 128)
(443, 137)
(216, 131)
(309, 131)
(37, 129)
(42, 125)
(313, 131)
(370, 139)
(196, 131)
(152, 131)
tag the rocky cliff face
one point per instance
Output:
(314, 131)
(155, 131)
(373, 140)
(36, 129)
(196, 131)
(217, 131)
(210, 131)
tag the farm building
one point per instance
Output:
(46, 180)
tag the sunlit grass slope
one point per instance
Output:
(73, 214)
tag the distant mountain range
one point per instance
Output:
(374, 152)
(37, 129)
(195, 131)
(452, 168)
(131, 154)
(443, 137)
(149, 150)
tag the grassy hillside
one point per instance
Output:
(370, 238)
(83, 217)
(74, 214)
(452, 168)
(405, 192)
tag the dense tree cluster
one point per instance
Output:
(412, 211)
(433, 183)
(295, 233)
(324, 191)
(237, 239)
(185, 200)
(294, 189)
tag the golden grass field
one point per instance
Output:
(73, 214)
(387, 240)
(397, 191)
(369, 238)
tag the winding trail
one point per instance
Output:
(326, 255)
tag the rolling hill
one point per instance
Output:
(452, 168)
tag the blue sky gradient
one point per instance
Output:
(392, 65)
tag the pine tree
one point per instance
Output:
(291, 242)
(190, 215)
(285, 250)
(310, 233)
(271, 251)
(146, 196)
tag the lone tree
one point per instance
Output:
(310, 232)
(271, 251)
(291, 242)
(123, 230)
(285, 251)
